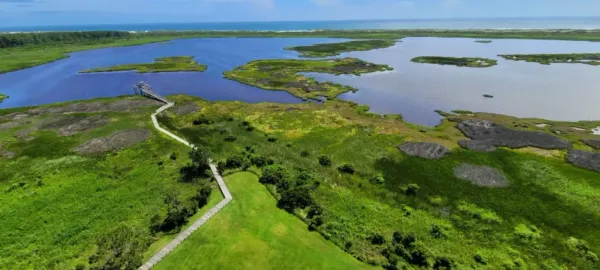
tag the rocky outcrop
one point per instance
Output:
(424, 150)
(481, 175)
(593, 143)
(477, 145)
(500, 136)
(584, 159)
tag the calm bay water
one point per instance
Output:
(558, 92)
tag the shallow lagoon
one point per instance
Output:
(558, 92)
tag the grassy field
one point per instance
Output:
(56, 203)
(335, 49)
(456, 61)
(547, 59)
(163, 64)
(283, 75)
(25, 57)
(545, 218)
(251, 233)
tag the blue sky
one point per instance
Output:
(71, 12)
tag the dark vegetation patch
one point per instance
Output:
(547, 59)
(477, 145)
(116, 141)
(283, 75)
(584, 159)
(186, 108)
(121, 105)
(163, 64)
(497, 135)
(334, 49)
(483, 41)
(456, 61)
(594, 143)
(70, 125)
(424, 150)
(481, 175)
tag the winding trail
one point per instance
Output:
(213, 211)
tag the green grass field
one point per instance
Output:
(252, 233)
(456, 61)
(163, 64)
(525, 225)
(547, 59)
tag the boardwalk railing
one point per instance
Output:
(144, 89)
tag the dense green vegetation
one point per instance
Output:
(338, 169)
(62, 209)
(483, 41)
(163, 64)
(282, 74)
(3, 97)
(52, 38)
(547, 59)
(334, 49)
(251, 233)
(456, 61)
(15, 58)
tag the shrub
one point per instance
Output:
(245, 123)
(324, 161)
(272, 139)
(376, 239)
(259, 161)
(437, 231)
(479, 259)
(397, 237)
(411, 189)
(304, 154)
(295, 198)
(378, 179)
(418, 256)
(527, 233)
(234, 162)
(443, 263)
(173, 156)
(202, 121)
(120, 248)
(347, 246)
(250, 128)
(315, 223)
(249, 149)
(177, 214)
(582, 249)
(203, 196)
(273, 174)
(230, 138)
(435, 200)
(346, 168)
(315, 210)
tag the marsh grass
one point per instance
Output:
(163, 64)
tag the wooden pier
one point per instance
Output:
(144, 89)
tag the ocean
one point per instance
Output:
(478, 23)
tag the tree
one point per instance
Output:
(273, 174)
(376, 239)
(346, 168)
(203, 196)
(235, 162)
(121, 248)
(198, 167)
(412, 189)
(295, 198)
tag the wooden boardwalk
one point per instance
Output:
(146, 90)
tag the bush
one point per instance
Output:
(315, 210)
(202, 121)
(245, 123)
(443, 263)
(346, 168)
(412, 189)
(230, 138)
(479, 259)
(272, 139)
(235, 162)
(120, 248)
(325, 161)
(315, 224)
(397, 238)
(259, 161)
(273, 174)
(203, 196)
(376, 239)
(437, 231)
(378, 179)
(250, 128)
(295, 198)
(173, 156)
(198, 168)
(304, 154)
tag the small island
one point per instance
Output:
(547, 59)
(3, 97)
(282, 74)
(334, 49)
(163, 64)
(483, 41)
(456, 61)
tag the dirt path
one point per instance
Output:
(183, 235)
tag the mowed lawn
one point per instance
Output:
(252, 233)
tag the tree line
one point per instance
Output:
(50, 38)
